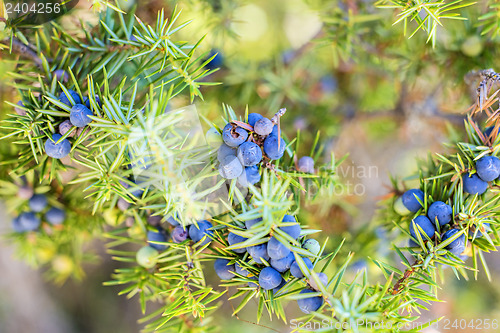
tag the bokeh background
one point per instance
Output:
(340, 68)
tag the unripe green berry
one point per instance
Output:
(400, 208)
(214, 138)
(472, 46)
(62, 264)
(312, 246)
(147, 256)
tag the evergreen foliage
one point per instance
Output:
(125, 74)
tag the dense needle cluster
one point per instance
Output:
(278, 262)
(243, 149)
(80, 109)
(147, 255)
(276, 259)
(439, 217)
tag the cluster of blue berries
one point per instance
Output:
(79, 118)
(243, 146)
(146, 256)
(32, 220)
(194, 232)
(438, 212)
(487, 170)
(279, 262)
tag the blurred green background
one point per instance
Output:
(339, 67)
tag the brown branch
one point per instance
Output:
(399, 285)
(25, 51)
